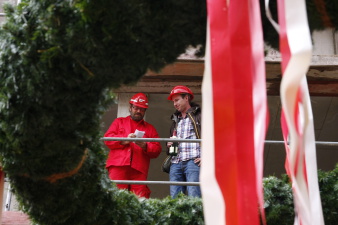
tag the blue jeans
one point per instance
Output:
(185, 171)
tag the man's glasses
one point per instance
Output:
(138, 108)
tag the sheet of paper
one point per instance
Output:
(138, 133)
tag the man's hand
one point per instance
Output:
(142, 144)
(198, 160)
(131, 135)
(169, 144)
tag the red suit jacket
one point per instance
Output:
(131, 154)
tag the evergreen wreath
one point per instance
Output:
(58, 62)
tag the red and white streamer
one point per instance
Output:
(297, 119)
(234, 116)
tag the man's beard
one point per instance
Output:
(137, 117)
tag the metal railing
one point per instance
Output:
(150, 139)
(180, 183)
(9, 194)
(321, 143)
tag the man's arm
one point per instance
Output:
(116, 130)
(152, 149)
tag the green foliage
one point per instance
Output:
(278, 201)
(181, 210)
(278, 198)
(328, 185)
(315, 19)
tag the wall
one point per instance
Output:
(325, 114)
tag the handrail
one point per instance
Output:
(181, 183)
(150, 139)
(322, 143)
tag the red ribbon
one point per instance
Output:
(233, 73)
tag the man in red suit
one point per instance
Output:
(130, 160)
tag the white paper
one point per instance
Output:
(138, 133)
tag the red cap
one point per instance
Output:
(139, 100)
(180, 89)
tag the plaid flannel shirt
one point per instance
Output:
(187, 150)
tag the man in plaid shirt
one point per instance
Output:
(185, 166)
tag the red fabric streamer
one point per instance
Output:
(236, 65)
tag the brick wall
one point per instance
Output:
(14, 218)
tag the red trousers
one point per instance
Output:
(128, 173)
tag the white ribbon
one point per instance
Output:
(306, 191)
(213, 203)
(269, 16)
